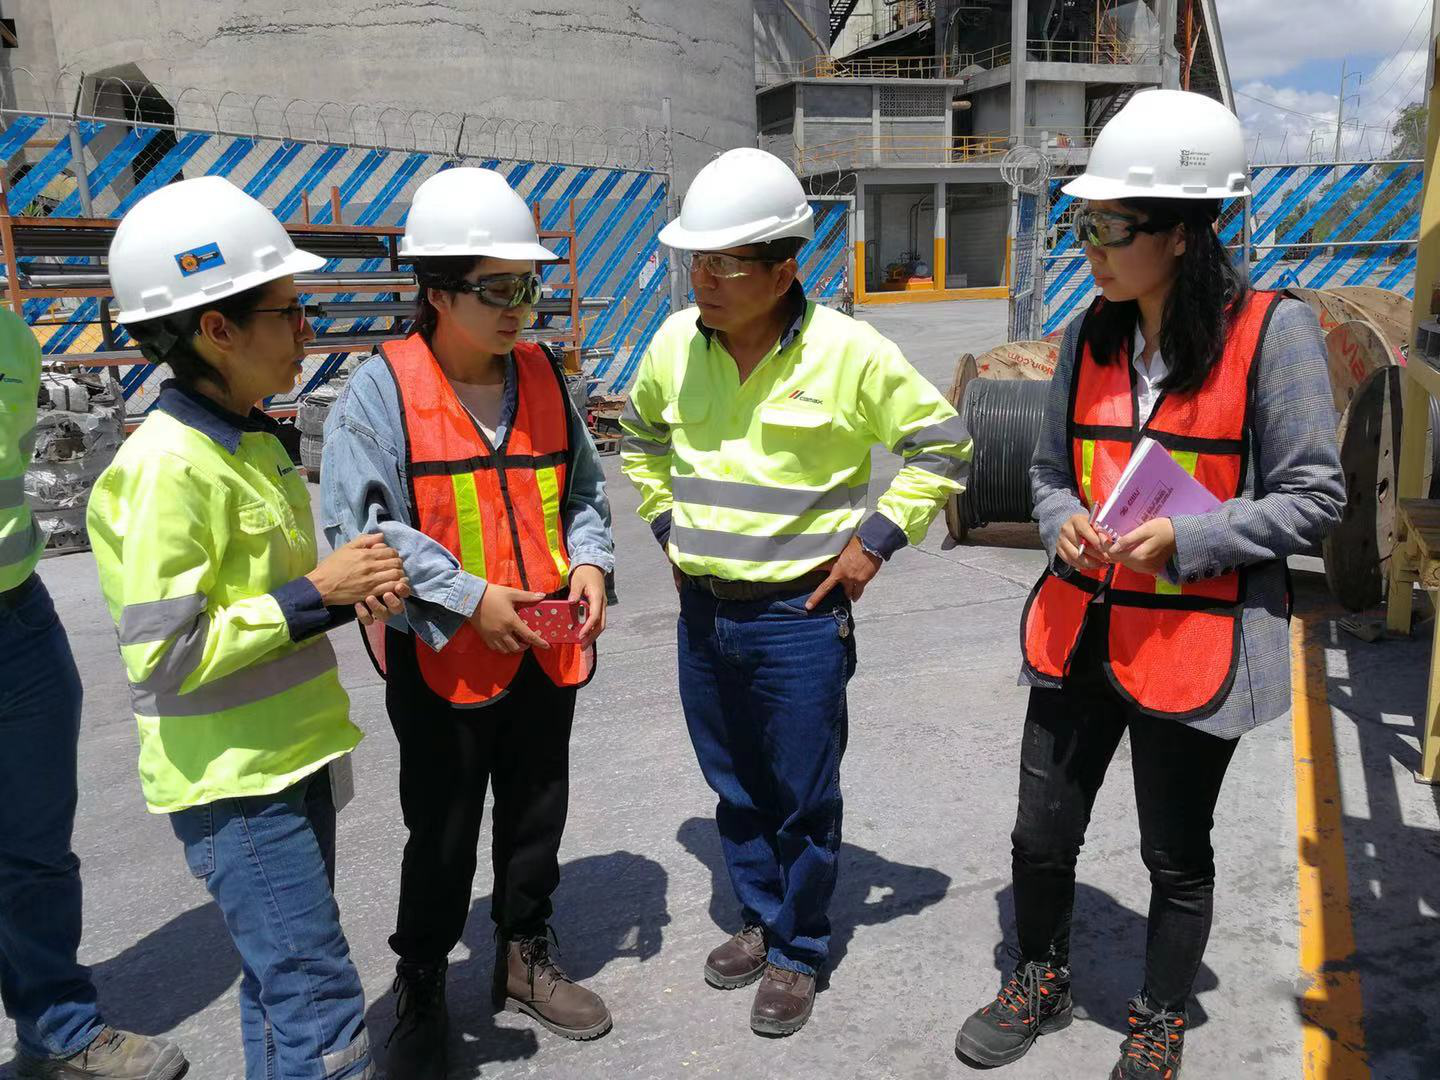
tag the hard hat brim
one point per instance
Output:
(509, 252)
(297, 262)
(1100, 188)
(676, 235)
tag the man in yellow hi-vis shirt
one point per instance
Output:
(749, 432)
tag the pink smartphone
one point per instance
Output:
(557, 621)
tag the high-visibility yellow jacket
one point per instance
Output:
(20, 538)
(767, 480)
(203, 534)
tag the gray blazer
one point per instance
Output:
(1294, 493)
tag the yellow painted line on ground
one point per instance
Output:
(1331, 1008)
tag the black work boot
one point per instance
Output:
(529, 980)
(1155, 1044)
(1034, 1001)
(417, 1048)
(111, 1055)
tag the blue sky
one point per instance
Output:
(1285, 59)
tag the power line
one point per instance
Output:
(1424, 7)
(1286, 108)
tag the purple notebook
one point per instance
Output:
(1153, 485)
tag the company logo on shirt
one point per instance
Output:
(199, 259)
(800, 395)
(284, 470)
(6, 378)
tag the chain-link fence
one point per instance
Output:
(1308, 225)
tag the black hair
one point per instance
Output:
(777, 251)
(1202, 303)
(441, 272)
(170, 339)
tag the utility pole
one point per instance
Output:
(1340, 109)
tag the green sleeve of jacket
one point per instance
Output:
(159, 534)
(906, 414)
(645, 445)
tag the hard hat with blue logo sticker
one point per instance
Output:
(196, 242)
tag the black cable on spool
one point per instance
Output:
(1434, 448)
(1003, 418)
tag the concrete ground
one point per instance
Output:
(923, 910)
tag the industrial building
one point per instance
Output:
(916, 103)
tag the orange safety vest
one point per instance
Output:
(497, 509)
(1172, 650)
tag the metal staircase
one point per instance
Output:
(840, 12)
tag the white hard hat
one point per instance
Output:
(744, 196)
(1167, 144)
(195, 242)
(469, 211)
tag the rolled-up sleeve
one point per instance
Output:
(1299, 490)
(363, 490)
(1052, 477)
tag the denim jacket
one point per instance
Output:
(364, 487)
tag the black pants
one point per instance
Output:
(521, 745)
(1070, 737)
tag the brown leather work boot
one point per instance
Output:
(783, 1002)
(739, 962)
(529, 981)
(111, 1055)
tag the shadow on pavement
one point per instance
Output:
(870, 889)
(167, 977)
(607, 907)
(1107, 957)
(1392, 850)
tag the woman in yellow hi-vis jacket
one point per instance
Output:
(204, 540)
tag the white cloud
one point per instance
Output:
(1265, 41)
(1269, 38)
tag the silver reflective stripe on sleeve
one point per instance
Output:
(947, 431)
(18, 546)
(156, 620)
(644, 432)
(946, 465)
(792, 502)
(787, 547)
(255, 683)
(12, 492)
(641, 446)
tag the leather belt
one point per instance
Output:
(747, 591)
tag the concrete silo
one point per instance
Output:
(588, 64)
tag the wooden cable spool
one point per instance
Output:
(1034, 360)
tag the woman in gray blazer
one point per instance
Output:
(1177, 631)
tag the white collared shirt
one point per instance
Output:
(1149, 377)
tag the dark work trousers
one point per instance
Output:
(521, 745)
(1070, 736)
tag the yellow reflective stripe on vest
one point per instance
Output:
(1187, 460)
(1087, 467)
(467, 520)
(549, 483)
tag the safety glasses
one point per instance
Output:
(503, 290)
(295, 313)
(718, 264)
(1104, 228)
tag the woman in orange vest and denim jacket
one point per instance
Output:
(1176, 632)
(461, 446)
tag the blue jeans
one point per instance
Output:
(48, 995)
(269, 862)
(763, 688)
